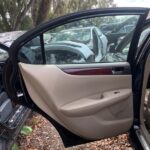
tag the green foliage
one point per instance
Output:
(26, 24)
(12, 12)
(24, 14)
(26, 130)
(15, 147)
(61, 7)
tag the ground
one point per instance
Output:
(45, 137)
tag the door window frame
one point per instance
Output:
(38, 31)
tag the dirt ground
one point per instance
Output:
(45, 137)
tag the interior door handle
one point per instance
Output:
(121, 70)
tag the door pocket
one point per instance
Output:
(95, 103)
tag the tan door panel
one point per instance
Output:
(92, 107)
(93, 104)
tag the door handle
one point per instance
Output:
(121, 71)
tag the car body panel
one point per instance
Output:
(7, 38)
(12, 116)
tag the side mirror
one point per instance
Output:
(112, 48)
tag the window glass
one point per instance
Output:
(77, 42)
(94, 40)
(3, 54)
(31, 52)
(144, 35)
(82, 36)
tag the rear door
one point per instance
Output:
(52, 70)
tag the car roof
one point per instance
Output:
(7, 38)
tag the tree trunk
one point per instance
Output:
(43, 11)
(21, 16)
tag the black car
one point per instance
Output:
(91, 100)
(12, 115)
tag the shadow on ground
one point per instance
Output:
(45, 137)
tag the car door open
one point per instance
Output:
(52, 69)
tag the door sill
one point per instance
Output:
(138, 131)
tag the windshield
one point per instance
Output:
(78, 35)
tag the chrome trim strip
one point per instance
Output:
(94, 65)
